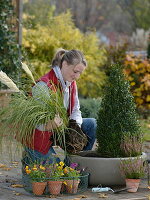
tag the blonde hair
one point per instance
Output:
(72, 57)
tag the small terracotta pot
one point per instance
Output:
(38, 187)
(63, 188)
(133, 184)
(72, 186)
(54, 187)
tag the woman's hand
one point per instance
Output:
(54, 124)
(58, 121)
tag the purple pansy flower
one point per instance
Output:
(74, 165)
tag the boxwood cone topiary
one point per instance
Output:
(117, 117)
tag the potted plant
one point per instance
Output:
(117, 125)
(55, 177)
(72, 179)
(37, 176)
(132, 169)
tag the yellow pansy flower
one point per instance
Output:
(34, 168)
(65, 171)
(61, 163)
(59, 167)
(71, 169)
(65, 182)
(41, 167)
(28, 171)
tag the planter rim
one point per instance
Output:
(144, 156)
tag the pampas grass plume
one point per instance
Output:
(7, 81)
(27, 70)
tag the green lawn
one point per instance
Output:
(145, 125)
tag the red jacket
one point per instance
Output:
(41, 139)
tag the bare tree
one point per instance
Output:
(139, 12)
(96, 14)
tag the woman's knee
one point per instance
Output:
(89, 127)
(93, 122)
(89, 122)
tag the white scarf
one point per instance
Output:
(65, 85)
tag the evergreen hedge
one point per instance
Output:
(9, 50)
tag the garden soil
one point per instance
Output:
(11, 187)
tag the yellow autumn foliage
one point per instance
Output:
(42, 42)
(138, 73)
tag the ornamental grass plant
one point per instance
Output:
(25, 112)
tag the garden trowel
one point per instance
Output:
(106, 189)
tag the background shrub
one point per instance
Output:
(115, 54)
(60, 32)
(89, 107)
(138, 73)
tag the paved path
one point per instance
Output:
(11, 174)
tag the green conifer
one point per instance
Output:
(117, 116)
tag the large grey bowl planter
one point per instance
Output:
(104, 171)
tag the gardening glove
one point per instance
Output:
(76, 140)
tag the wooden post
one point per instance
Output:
(19, 10)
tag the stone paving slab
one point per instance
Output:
(11, 174)
(19, 193)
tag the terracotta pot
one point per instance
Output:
(54, 187)
(38, 187)
(133, 184)
(63, 187)
(72, 186)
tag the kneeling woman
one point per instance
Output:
(67, 66)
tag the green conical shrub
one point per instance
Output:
(117, 118)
